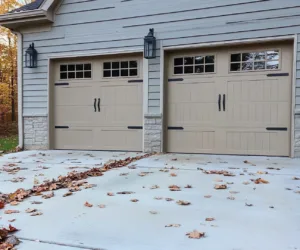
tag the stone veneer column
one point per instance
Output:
(297, 134)
(35, 133)
(153, 133)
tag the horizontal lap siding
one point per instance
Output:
(108, 26)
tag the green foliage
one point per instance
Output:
(8, 143)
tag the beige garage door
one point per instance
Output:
(233, 100)
(98, 104)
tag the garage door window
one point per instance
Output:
(120, 69)
(76, 71)
(194, 65)
(255, 61)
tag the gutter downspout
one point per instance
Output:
(20, 89)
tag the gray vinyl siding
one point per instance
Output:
(101, 26)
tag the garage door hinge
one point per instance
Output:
(132, 81)
(277, 74)
(135, 127)
(64, 127)
(175, 79)
(61, 84)
(175, 128)
(277, 129)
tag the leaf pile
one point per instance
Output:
(71, 181)
(260, 181)
(174, 188)
(195, 235)
(8, 241)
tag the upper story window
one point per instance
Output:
(120, 69)
(194, 65)
(255, 61)
(76, 71)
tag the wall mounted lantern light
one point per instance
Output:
(31, 57)
(150, 45)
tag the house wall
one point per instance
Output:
(108, 26)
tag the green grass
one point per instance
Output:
(8, 143)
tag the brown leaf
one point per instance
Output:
(173, 225)
(169, 199)
(11, 229)
(36, 202)
(88, 204)
(3, 235)
(154, 187)
(134, 200)
(220, 186)
(262, 172)
(36, 214)
(67, 194)
(260, 181)
(195, 235)
(174, 188)
(158, 198)
(246, 182)
(175, 159)
(48, 196)
(219, 172)
(296, 178)
(142, 174)
(30, 210)
(2, 204)
(14, 203)
(164, 170)
(125, 192)
(188, 186)
(102, 206)
(173, 174)
(110, 194)
(218, 180)
(12, 220)
(207, 196)
(124, 174)
(183, 203)
(11, 211)
(209, 219)
(248, 205)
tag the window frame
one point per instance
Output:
(194, 56)
(75, 71)
(120, 68)
(254, 51)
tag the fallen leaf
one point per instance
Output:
(12, 220)
(213, 225)
(260, 181)
(271, 207)
(169, 199)
(158, 198)
(219, 172)
(175, 159)
(248, 204)
(247, 162)
(154, 187)
(188, 186)
(36, 181)
(246, 182)
(36, 202)
(210, 219)
(67, 194)
(231, 198)
(195, 235)
(173, 174)
(233, 192)
(164, 170)
(297, 192)
(48, 196)
(87, 204)
(134, 200)
(124, 174)
(153, 212)
(207, 196)
(183, 203)
(296, 178)
(262, 172)
(14, 203)
(173, 225)
(87, 186)
(30, 210)
(2, 204)
(174, 188)
(142, 174)
(125, 192)
(110, 194)
(11, 211)
(36, 214)
(221, 186)
(101, 206)
(218, 180)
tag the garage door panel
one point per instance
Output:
(76, 95)
(74, 115)
(74, 138)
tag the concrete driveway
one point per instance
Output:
(247, 216)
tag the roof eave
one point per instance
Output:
(13, 20)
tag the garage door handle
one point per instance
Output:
(219, 102)
(224, 102)
(95, 101)
(99, 104)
